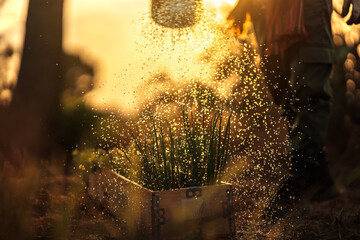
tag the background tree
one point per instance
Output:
(28, 123)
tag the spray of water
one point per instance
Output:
(203, 69)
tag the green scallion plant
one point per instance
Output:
(169, 156)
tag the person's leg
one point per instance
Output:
(309, 111)
(277, 79)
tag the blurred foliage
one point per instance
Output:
(75, 122)
(17, 188)
(90, 159)
(37, 201)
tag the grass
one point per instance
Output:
(171, 156)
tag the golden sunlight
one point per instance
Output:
(175, 119)
(221, 7)
(112, 31)
(220, 3)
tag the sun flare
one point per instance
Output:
(219, 3)
(221, 7)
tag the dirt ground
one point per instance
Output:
(338, 218)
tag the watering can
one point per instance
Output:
(175, 13)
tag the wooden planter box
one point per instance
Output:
(188, 213)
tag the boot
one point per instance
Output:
(314, 184)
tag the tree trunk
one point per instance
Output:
(27, 124)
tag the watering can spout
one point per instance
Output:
(175, 13)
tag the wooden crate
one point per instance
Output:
(127, 201)
(189, 213)
(193, 213)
